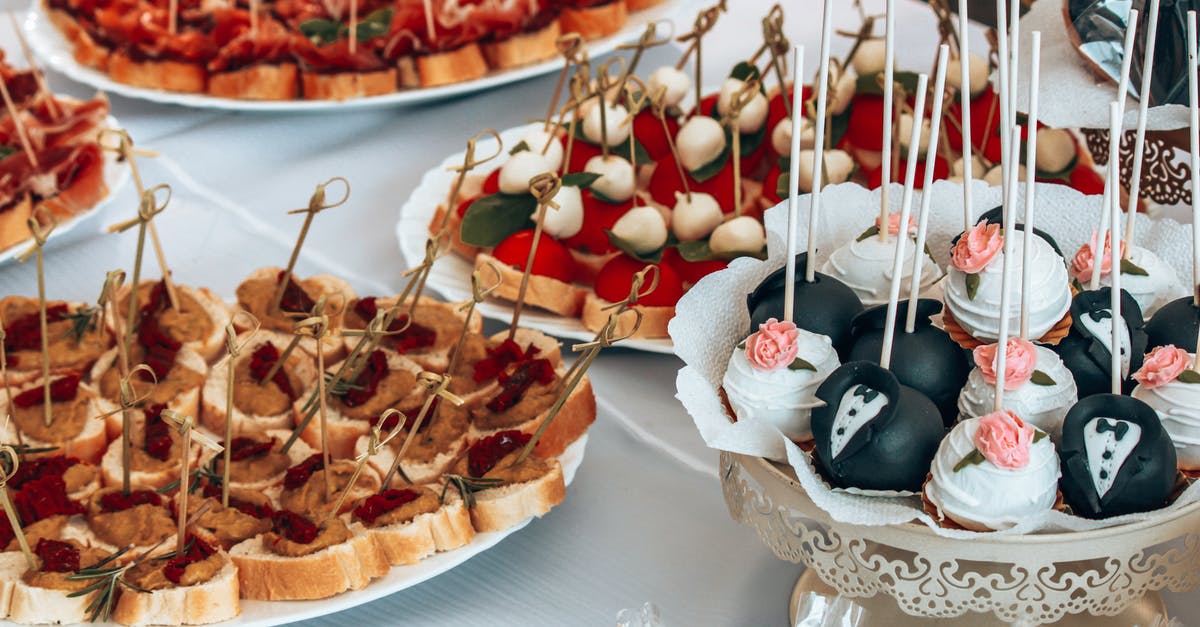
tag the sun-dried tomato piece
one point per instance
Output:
(486, 453)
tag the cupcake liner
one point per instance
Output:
(970, 342)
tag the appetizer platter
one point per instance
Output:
(1037, 402)
(301, 57)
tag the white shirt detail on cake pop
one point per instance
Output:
(1159, 286)
(1049, 293)
(1043, 406)
(859, 405)
(866, 267)
(983, 496)
(1099, 324)
(782, 397)
(1108, 442)
(1178, 407)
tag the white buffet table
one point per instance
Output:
(645, 520)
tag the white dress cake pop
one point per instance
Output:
(1149, 280)
(993, 472)
(1037, 385)
(1168, 384)
(773, 376)
(865, 264)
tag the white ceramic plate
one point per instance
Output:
(116, 175)
(54, 50)
(451, 275)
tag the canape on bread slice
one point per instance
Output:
(441, 439)
(248, 515)
(592, 19)
(257, 461)
(42, 596)
(346, 85)
(154, 454)
(427, 340)
(257, 82)
(177, 386)
(196, 588)
(483, 358)
(258, 404)
(199, 322)
(612, 285)
(84, 48)
(160, 74)
(537, 42)
(73, 407)
(654, 319)
(387, 381)
(433, 69)
(412, 523)
(303, 490)
(115, 519)
(511, 492)
(14, 222)
(74, 343)
(257, 292)
(546, 292)
(254, 64)
(49, 488)
(298, 560)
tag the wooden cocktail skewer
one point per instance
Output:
(470, 163)
(186, 427)
(254, 8)
(818, 169)
(4, 370)
(1009, 220)
(568, 45)
(8, 470)
(19, 125)
(1111, 186)
(580, 84)
(234, 350)
(41, 224)
(603, 87)
(777, 45)
(705, 21)
(964, 95)
(939, 88)
(793, 221)
(317, 327)
(107, 302)
(430, 27)
(910, 175)
(543, 187)
(127, 400)
(1035, 70)
(658, 105)
(316, 204)
(1139, 137)
(743, 97)
(889, 60)
(172, 16)
(375, 443)
(649, 39)
(437, 389)
(38, 75)
(353, 34)
(148, 207)
(1194, 154)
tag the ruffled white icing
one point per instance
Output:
(1178, 407)
(781, 397)
(985, 496)
(1159, 287)
(1049, 293)
(1043, 406)
(1107, 449)
(866, 267)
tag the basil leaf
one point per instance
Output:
(838, 125)
(491, 219)
(745, 72)
(869, 84)
(697, 250)
(712, 168)
(320, 31)
(972, 281)
(1130, 268)
(582, 180)
(521, 147)
(627, 248)
(1041, 378)
(8, 151)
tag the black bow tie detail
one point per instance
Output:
(1117, 427)
(866, 393)
(1102, 314)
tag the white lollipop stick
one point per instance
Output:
(1115, 291)
(964, 94)
(1194, 110)
(889, 60)
(1139, 137)
(818, 169)
(1035, 63)
(1112, 179)
(1014, 68)
(1009, 219)
(1004, 87)
(914, 291)
(789, 289)
(1127, 60)
(910, 175)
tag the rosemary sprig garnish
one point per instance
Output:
(467, 487)
(204, 472)
(105, 579)
(83, 321)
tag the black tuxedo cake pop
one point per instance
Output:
(1116, 457)
(873, 433)
(1085, 349)
(825, 306)
(927, 359)
(1176, 323)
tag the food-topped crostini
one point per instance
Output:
(198, 322)
(74, 342)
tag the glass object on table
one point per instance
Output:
(644, 616)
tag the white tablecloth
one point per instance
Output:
(645, 520)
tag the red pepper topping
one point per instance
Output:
(245, 507)
(160, 347)
(298, 475)
(367, 383)
(295, 299)
(197, 550)
(25, 333)
(118, 502)
(500, 357)
(43, 498)
(377, 505)
(294, 527)
(261, 362)
(246, 448)
(62, 389)
(486, 453)
(158, 433)
(523, 376)
(57, 556)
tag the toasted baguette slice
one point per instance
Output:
(564, 299)
(654, 319)
(447, 528)
(12, 566)
(596, 21)
(189, 78)
(437, 357)
(257, 82)
(210, 602)
(347, 566)
(299, 452)
(186, 403)
(465, 63)
(31, 605)
(587, 265)
(336, 291)
(417, 471)
(345, 85)
(214, 396)
(211, 346)
(88, 445)
(497, 509)
(572, 422)
(523, 48)
(14, 223)
(84, 48)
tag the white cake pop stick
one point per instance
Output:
(1035, 66)
(1004, 87)
(1139, 137)
(1014, 66)
(818, 169)
(914, 291)
(1194, 110)
(889, 60)
(1112, 179)
(1127, 60)
(910, 175)
(964, 95)
(1009, 219)
(1115, 291)
(789, 285)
